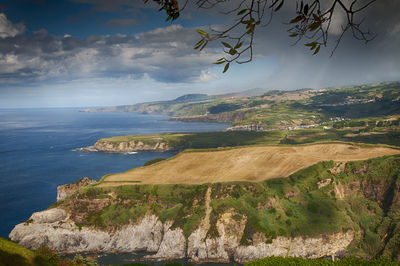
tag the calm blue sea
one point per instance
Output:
(37, 153)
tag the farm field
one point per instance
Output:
(242, 164)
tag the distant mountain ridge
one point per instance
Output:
(276, 109)
(184, 102)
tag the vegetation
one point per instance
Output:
(360, 196)
(205, 140)
(351, 261)
(282, 110)
(256, 163)
(12, 254)
(156, 160)
(309, 23)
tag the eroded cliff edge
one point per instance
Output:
(327, 209)
(55, 229)
(105, 145)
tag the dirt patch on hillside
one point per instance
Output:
(243, 164)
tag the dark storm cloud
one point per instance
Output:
(164, 54)
(354, 62)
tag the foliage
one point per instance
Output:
(156, 160)
(279, 110)
(292, 206)
(223, 107)
(311, 22)
(205, 140)
(351, 261)
(12, 254)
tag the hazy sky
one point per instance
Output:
(102, 52)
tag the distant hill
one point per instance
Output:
(276, 109)
(195, 97)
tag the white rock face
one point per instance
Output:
(54, 228)
(215, 249)
(173, 245)
(296, 247)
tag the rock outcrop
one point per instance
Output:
(317, 247)
(64, 191)
(56, 229)
(103, 145)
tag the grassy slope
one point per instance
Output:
(374, 130)
(243, 164)
(274, 261)
(203, 140)
(361, 197)
(279, 109)
(12, 254)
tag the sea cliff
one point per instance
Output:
(56, 229)
(328, 209)
(104, 145)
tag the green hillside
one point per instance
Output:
(12, 254)
(278, 109)
(361, 196)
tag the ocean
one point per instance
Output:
(37, 153)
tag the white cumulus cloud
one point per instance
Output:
(8, 29)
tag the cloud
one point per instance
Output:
(206, 76)
(8, 29)
(163, 54)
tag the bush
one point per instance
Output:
(156, 160)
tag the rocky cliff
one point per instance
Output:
(64, 191)
(55, 229)
(104, 145)
(327, 209)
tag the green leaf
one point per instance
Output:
(311, 44)
(237, 46)
(202, 32)
(219, 62)
(316, 18)
(296, 19)
(175, 16)
(199, 44)
(204, 45)
(293, 35)
(314, 26)
(168, 18)
(232, 51)
(317, 50)
(241, 12)
(227, 45)
(226, 68)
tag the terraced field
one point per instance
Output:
(242, 164)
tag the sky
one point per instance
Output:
(83, 53)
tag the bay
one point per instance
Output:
(37, 153)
